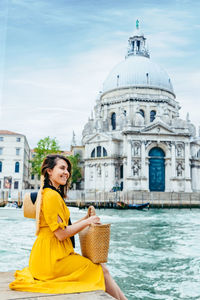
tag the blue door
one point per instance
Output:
(156, 170)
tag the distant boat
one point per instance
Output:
(11, 205)
(123, 205)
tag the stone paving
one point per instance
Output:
(7, 294)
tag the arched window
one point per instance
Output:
(0, 166)
(152, 115)
(141, 112)
(113, 121)
(17, 167)
(104, 152)
(99, 151)
(93, 153)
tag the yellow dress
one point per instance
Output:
(54, 267)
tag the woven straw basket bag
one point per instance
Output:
(94, 241)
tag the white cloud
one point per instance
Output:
(56, 101)
(40, 101)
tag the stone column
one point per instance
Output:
(129, 156)
(105, 112)
(144, 174)
(168, 184)
(143, 167)
(187, 168)
(187, 161)
(95, 177)
(173, 159)
(129, 114)
(147, 116)
(173, 168)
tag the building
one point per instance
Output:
(136, 140)
(14, 161)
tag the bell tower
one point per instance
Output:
(137, 43)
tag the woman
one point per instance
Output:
(54, 267)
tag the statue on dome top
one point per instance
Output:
(137, 24)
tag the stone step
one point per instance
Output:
(7, 294)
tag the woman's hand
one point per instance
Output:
(93, 220)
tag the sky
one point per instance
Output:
(56, 54)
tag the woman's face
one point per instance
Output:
(59, 174)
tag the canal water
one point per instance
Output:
(154, 254)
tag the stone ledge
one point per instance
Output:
(7, 294)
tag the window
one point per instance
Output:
(138, 45)
(1, 138)
(141, 112)
(121, 172)
(16, 185)
(113, 121)
(17, 167)
(1, 151)
(17, 151)
(147, 75)
(0, 166)
(18, 139)
(99, 151)
(152, 115)
(104, 152)
(32, 176)
(93, 153)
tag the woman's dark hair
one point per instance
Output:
(49, 163)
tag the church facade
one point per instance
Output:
(136, 141)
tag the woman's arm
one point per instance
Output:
(84, 218)
(71, 230)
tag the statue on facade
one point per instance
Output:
(122, 119)
(179, 149)
(91, 175)
(136, 167)
(99, 171)
(136, 149)
(116, 172)
(179, 169)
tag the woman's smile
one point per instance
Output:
(59, 174)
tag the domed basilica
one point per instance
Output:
(136, 140)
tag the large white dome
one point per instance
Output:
(137, 71)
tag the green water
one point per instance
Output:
(154, 254)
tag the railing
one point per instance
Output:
(100, 198)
